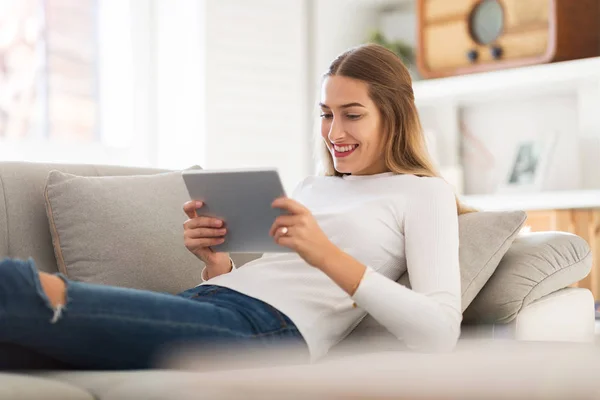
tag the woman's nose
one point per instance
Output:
(335, 132)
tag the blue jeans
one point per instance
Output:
(105, 327)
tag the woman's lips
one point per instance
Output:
(342, 154)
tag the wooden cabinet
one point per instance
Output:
(582, 222)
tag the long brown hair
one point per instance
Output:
(390, 88)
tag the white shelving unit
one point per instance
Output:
(445, 98)
(385, 3)
(563, 200)
(539, 79)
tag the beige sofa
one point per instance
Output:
(566, 315)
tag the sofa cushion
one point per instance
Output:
(100, 383)
(536, 265)
(134, 384)
(24, 230)
(484, 238)
(476, 370)
(22, 387)
(125, 231)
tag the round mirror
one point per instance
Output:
(487, 21)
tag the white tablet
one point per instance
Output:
(242, 199)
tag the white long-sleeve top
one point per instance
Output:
(391, 223)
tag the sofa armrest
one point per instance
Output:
(536, 265)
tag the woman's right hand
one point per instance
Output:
(201, 232)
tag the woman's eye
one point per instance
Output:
(353, 116)
(326, 116)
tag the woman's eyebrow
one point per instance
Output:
(322, 105)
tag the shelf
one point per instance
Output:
(385, 3)
(541, 79)
(559, 200)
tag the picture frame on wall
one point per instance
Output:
(528, 168)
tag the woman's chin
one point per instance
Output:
(343, 169)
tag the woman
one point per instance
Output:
(379, 210)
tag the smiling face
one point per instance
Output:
(351, 126)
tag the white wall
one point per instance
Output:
(180, 49)
(256, 86)
(229, 83)
(339, 25)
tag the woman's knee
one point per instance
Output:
(55, 289)
(15, 274)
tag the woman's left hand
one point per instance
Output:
(300, 232)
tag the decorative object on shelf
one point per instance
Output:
(528, 169)
(476, 156)
(402, 49)
(466, 36)
(490, 133)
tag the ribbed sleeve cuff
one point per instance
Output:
(369, 279)
(203, 273)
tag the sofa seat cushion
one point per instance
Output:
(147, 384)
(23, 387)
(99, 383)
(536, 265)
(122, 230)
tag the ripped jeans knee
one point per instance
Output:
(21, 290)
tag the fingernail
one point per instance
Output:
(218, 223)
(198, 204)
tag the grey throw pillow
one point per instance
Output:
(484, 238)
(536, 265)
(122, 230)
